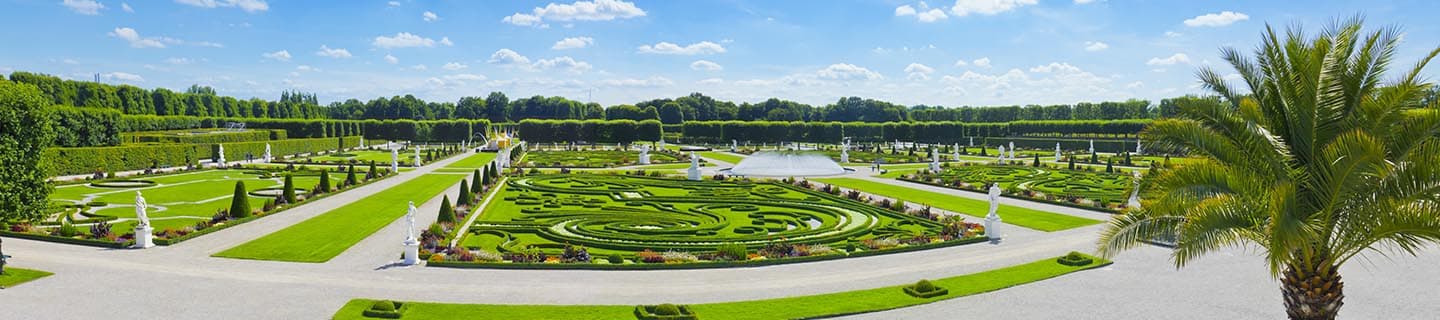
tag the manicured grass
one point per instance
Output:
(478, 160)
(180, 200)
(802, 307)
(16, 276)
(668, 166)
(327, 235)
(591, 158)
(1020, 216)
(721, 156)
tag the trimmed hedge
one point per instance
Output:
(925, 290)
(85, 127)
(701, 265)
(1074, 259)
(427, 130)
(926, 132)
(67, 161)
(203, 136)
(595, 131)
(665, 312)
(86, 242)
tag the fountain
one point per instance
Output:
(786, 164)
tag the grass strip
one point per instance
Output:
(1020, 216)
(16, 276)
(801, 307)
(721, 156)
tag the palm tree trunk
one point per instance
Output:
(1312, 292)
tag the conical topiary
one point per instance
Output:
(464, 199)
(325, 181)
(350, 178)
(447, 213)
(240, 202)
(289, 189)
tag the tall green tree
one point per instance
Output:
(24, 131)
(1322, 161)
(240, 202)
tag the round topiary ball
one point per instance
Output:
(383, 305)
(616, 259)
(924, 286)
(667, 310)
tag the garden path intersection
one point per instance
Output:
(184, 281)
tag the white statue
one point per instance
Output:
(934, 160)
(1138, 148)
(644, 154)
(1012, 150)
(972, 142)
(221, 161)
(845, 151)
(267, 156)
(662, 143)
(412, 245)
(733, 145)
(362, 143)
(1134, 201)
(1057, 152)
(417, 157)
(694, 172)
(1001, 158)
(394, 159)
(955, 152)
(144, 235)
(992, 220)
(1092, 145)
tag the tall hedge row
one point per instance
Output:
(84, 160)
(428, 130)
(207, 136)
(595, 131)
(85, 127)
(929, 132)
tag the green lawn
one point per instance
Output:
(329, 234)
(1020, 216)
(180, 200)
(722, 156)
(802, 307)
(16, 276)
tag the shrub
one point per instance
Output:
(733, 251)
(615, 259)
(465, 194)
(925, 289)
(1075, 259)
(665, 312)
(350, 178)
(240, 202)
(289, 189)
(325, 181)
(447, 213)
(385, 309)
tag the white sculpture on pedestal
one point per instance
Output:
(1012, 150)
(267, 156)
(955, 152)
(1138, 148)
(644, 154)
(972, 142)
(694, 172)
(394, 160)
(992, 220)
(733, 145)
(934, 160)
(412, 245)
(144, 235)
(1134, 201)
(417, 157)
(1001, 157)
(662, 143)
(1092, 145)
(362, 143)
(845, 151)
(1057, 152)
(221, 161)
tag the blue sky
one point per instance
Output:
(965, 52)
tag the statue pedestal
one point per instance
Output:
(693, 174)
(144, 238)
(412, 252)
(992, 224)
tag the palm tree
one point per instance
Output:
(1320, 162)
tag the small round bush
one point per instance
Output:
(383, 305)
(667, 310)
(924, 286)
(616, 259)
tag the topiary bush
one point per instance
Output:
(1075, 259)
(665, 312)
(925, 289)
(615, 258)
(386, 309)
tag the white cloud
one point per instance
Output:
(135, 40)
(1084, 1)
(1093, 46)
(1054, 67)
(702, 47)
(573, 43)
(880, 50)
(126, 7)
(1171, 60)
(282, 55)
(961, 63)
(177, 61)
(1221, 19)
(402, 40)
(1172, 34)
(85, 7)
(454, 66)
(654, 81)
(393, 3)
(419, 67)
(307, 68)
(71, 61)
(391, 59)
(983, 62)
(846, 71)
(1135, 85)
(563, 62)
(704, 65)
(904, 10)
(446, 41)
(987, 7)
(596, 10)
(121, 76)
(711, 81)
(465, 77)
(508, 57)
(924, 13)
(250, 6)
(429, 16)
(326, 51)
(916, 71)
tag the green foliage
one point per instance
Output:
(603, 131)
(465, 194)
(26, 132)
(350, 178)
(289, 192)
(925, 289)
(477, 180)
(667, 310)
(927, 132)
(1075, 259)
(383, 305)
(85, 127)
(131, 157)
(733, 251)
(447, 213)
(202, 136)
(325, 184)
(240, 202)
(615, 258)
